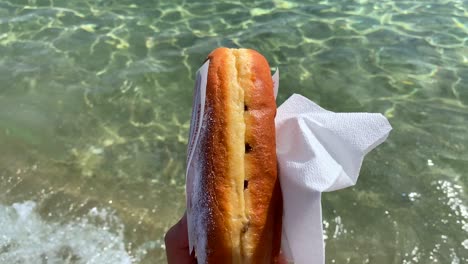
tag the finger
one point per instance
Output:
(177, 246)
(178, 234)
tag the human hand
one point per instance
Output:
(177, 245)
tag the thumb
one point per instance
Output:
(177, 244)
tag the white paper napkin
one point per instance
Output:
(318, 151)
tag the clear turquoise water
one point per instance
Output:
(95, 101)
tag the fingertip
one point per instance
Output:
(177, 235)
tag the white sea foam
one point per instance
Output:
(25, 237)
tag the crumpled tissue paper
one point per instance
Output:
(318, 151)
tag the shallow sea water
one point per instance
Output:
(95, 101)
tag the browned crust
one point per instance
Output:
(260, 162)
(215, 181)
(261, 237)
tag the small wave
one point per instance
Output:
(25, 237)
